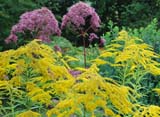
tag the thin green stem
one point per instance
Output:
(11, 102)
(84, 111)
(84, 52)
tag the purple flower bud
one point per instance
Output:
(75, 73)
(102, 41)
(57, 48)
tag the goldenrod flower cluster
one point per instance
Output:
(132, 51)
(35, 81)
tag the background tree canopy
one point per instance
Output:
(128, 13)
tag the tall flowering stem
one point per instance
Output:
(81, 18)
(84, 52)
(40, 23)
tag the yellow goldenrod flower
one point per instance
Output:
(29, 114)
(70, 58)
(150, 111)
(16, 81)
(109, 112)
(123, 35)
(157, 90)
(131, 53)
(37, 94)
(106, 54)
(98, 61)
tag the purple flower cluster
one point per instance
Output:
(41, 22)
(78, 14)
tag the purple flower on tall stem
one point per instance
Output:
(41, 24)
(82, 18)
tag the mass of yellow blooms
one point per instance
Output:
(36, 80)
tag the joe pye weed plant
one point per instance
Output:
(83, 20)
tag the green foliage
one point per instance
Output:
(77, 52)
(112, 33)
(62, 42)
(150, 34)
(10, 10)
(133, 63)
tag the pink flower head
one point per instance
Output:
(12, 37)
(102, 41)
(57, 48)
(40, 22)
(78, 14)
(92, 36)
(75, 73)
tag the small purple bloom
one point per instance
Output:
(92, 36)
(12, 37)
(57, 48)
(75, 73)
(102, 41)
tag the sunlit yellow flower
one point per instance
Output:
(150, 111)
(29, 114)
(99, 61)
(157, 90)
(131, 53)
(70, 58)
(16, 81)
(37, 94)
